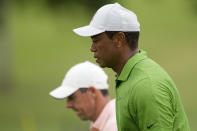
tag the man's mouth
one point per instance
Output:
(96, 58)
(79, 113)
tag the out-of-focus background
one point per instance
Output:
(37, 47)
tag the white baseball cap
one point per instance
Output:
(82, 75)
(110, 17)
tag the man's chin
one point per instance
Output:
(102, 64)
(83, 118)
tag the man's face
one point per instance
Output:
(82, 104)
(104, 50)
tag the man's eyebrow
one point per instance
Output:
(95, 36)
(71, 97)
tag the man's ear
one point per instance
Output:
(92, 91)
(119, 39)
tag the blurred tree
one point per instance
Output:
(92, 5)
(1, 14)
(5, 61)
(194, 4)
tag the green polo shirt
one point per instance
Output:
(147, 99)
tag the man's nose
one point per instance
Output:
(92, 48)
(69, 104)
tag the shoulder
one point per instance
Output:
(110, 124)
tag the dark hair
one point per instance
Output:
(103, 91)
(131, 37)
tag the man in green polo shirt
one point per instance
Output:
(146, 97)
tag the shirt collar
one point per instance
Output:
(130, 64)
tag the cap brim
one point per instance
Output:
(62, 92)
(88, 31)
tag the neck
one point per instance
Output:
(124, 57)
(102, 102)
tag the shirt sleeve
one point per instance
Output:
(150, 105)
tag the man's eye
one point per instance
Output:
(95, 41)
(73, 98)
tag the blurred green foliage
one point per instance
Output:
(42, 47)
(91, 5)
(193, 4)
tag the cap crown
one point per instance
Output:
(85, 75)
(114, 17)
